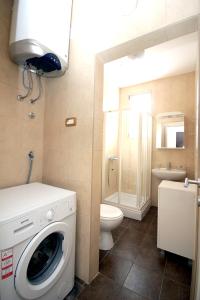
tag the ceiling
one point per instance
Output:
(171, 58)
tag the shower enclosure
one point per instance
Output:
(126, 175)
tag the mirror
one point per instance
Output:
(170, 131)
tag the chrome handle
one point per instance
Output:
(113, 158)
(188, 181)
(186, 184)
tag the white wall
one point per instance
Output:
(108, 23)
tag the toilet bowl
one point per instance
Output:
(110, 218)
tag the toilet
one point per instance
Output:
(110, 218)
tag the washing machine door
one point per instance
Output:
(43, 261)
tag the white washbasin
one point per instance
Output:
(169, 174)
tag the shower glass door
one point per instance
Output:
(110, 170)
(145, 159)
(128, 145)
(127, 153)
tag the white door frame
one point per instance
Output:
(195, 288)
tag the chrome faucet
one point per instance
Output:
(113, 158)
(188, 181)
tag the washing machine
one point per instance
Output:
(37, 242)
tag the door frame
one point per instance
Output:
(195, 286)
(139, 44)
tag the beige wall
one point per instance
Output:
(68, 150)
(18, 134)
(171, 94)
(96, 169)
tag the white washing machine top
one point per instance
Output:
(19, 200)
(27, 209)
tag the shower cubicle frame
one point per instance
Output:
(140, 210)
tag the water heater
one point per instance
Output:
(39, 35)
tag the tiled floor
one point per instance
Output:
(134, 268)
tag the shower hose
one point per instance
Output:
(31, 158)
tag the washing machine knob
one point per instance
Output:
(50, 215)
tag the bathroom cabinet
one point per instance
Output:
(177, 218)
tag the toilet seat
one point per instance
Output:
(108, 212)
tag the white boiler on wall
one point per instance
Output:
(39, 35)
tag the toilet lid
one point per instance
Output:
(110, 212)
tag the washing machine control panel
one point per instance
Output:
(29, 223)
(50, 214)
(58, 211)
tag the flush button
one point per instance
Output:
(50, 215)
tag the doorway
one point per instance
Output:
(117, 52)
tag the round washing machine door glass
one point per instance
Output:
(43, 261)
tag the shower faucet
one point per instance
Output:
(113, 158)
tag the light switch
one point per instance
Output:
(70, 122)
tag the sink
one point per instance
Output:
(169, 174)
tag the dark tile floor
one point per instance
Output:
(135, 270)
